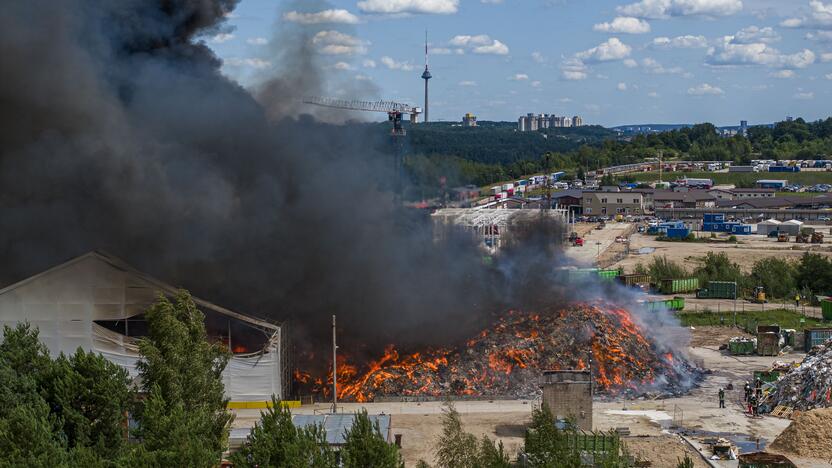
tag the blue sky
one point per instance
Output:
(611, 61)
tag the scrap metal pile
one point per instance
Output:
(807, 386)
(506, 359)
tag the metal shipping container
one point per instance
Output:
(679, 286)
(609, 274)
(826, 309)
(718, 290)
(768, 344)
(713, 218)
(741, 347)
(634, 280)
(816, 336)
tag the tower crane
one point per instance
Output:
(394, 112)
(393, 109)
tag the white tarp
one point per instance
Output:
(65, 302)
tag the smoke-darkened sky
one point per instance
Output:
(119, 132)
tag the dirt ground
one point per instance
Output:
(714, 337)
(421, 432)
(749, 250)
(665, 450)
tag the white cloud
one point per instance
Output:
(819, 36)
(535, 84)
(829, 76)
(519, 77)
(361, 77)
(222, 37)
(322, 17)
(612, 49)
(480, 44)
(820, 17)
(247, 62)
(681, 42)
(630, 63)
(826, 57)
(730, 53)
(624, 25)
(441, 7)
(572, 75)
(394, 65)
(653, 94)
(495, 48)
(804, 96)
(343, 66)
(783, 74)
(368, 63)
(652, 66)
(661, 9)
(573, 70)
(621, 87)
(445, 51)
(467, 83)
(753, 34)
(257, 41)
(538, 57)
(705, 89)
(338, 43)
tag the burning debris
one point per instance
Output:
(506, 359)
(808, 386)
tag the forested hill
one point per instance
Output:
(500, 142)
(495, 151)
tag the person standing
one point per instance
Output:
(747, 389)
(722, 398)
(753, 405)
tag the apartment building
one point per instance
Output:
(612, 203)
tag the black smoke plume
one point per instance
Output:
(119, 132)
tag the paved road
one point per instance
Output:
(588, 254)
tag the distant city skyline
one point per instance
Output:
(614, 62)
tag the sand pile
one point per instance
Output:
(809, 435)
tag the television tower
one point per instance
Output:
(426, 76)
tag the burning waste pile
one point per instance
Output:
(507, 359)
(807, 386)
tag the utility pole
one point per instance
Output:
(334, 369)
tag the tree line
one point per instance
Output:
(460, 156)
(781, 278)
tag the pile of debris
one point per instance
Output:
(807, 386)
(507, 359)
(809, 435)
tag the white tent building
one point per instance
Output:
(97, 302)
(768, 226)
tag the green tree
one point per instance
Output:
(686, 463)
(365, 446)
(184, 420)
(661, 268)
(67, 411)
(814, 272)
(545, 445)
(718, 267)
(90, 396)
(492, 455)
(455, 448)
(276, 442)
(775, 275)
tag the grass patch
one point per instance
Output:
(721, 178)
(749, 319)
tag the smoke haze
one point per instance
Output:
(119, 132)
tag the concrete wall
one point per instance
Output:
(568, 394)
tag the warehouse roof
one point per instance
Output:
(337, 425)
(120, 264)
